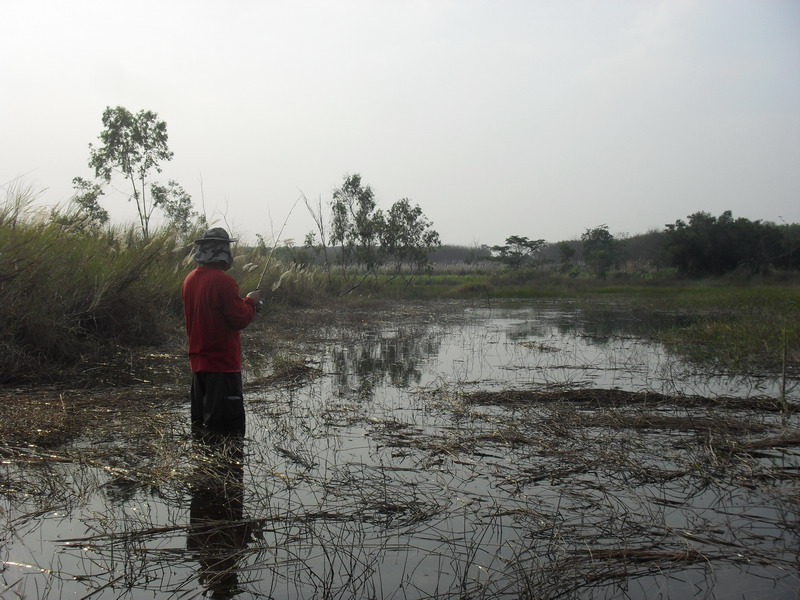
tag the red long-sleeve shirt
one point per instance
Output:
(214, 313)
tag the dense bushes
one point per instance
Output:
(708, 245)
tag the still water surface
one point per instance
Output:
(376, 479)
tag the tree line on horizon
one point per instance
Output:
(702, 245)
(358, 237)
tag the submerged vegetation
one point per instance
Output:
(367, 471)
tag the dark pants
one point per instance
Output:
(217, 402)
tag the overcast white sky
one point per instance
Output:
(523, 117)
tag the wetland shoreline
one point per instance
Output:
(408, 450)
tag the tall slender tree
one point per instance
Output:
(134, 146)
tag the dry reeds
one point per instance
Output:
(68, 292)
(603, 398)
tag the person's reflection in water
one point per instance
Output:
(217, 534)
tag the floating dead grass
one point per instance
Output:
(510, 493)
(291, 372)
(557, 470)
(603, 398)
(670, 422)
(52, 417)
(784, 440)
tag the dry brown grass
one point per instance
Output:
(609, 398)
(577, 484)
(52, 417)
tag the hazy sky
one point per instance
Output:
(533, 118)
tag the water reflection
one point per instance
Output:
(391, 357)
(600, 325)
(540, 345)
(416, 493)
(218, 534)
(552, 345)
(597, 325)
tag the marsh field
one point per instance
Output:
(540, 448)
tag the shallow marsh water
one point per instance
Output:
(383, 474)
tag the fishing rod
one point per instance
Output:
(272, 251)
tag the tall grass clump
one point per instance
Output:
(68, 291)
(281, 284)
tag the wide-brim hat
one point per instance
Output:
(217, 234)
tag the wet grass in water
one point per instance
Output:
(359, 480)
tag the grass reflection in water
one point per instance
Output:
(428, 458)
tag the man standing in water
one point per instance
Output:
(215, 313)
